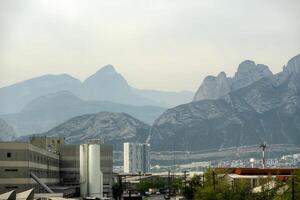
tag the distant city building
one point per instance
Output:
(136, 157)
(48, 160)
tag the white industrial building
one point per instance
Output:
(136, 157)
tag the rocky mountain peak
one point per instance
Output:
(249, 68)
(246, 66)
(222, 75)
(107, 69)
(247, 73)
(213, 87)
(294, 64)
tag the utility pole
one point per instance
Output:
(293, 188)
(185, 179)
(140, 176)
(214, 180)
(263, 146)
(169, 183)
(203, 180)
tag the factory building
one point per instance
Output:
(136, 157)
(20, 162)
(51, 161)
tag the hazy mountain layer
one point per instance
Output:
(13, 98)
(266, 110)
(105, 85)
(48, 111)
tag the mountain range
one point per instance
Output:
(105, 85)
(252, 107)
(46, 112)
(39, 104)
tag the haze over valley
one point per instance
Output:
(186, 77)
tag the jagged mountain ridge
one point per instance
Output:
(215, 87)
(113, 128)
(266, 110)
(48, 111)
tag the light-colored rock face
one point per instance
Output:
(266, 110)
(248, 73)
(292, 68)
(7, 133)
(215, 87)
(294, 64)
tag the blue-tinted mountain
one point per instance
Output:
(105, 85)
(108, 85)
(48, 111)
(13, 98)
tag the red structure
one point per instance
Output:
(256, 171)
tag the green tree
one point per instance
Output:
(189, 188)
(117, 191)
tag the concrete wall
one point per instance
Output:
(69, 164)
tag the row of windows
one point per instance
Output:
(23, 173)
(33, 157)
(38, 158)
(45, 173)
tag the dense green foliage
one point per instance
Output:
(219, 187)
(216, 187)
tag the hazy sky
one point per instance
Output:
(155, 44)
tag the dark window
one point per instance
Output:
(11, 170)
(8, 155)
(11, 187)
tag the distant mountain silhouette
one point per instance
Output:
(45, 112)
(13, 98)
(105, 85)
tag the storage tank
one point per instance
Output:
(83, 169)
(91, 178)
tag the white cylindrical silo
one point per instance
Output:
(83, 170)
(94, 171)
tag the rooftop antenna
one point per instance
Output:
(263, 146)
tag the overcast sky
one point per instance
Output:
(155, 44)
